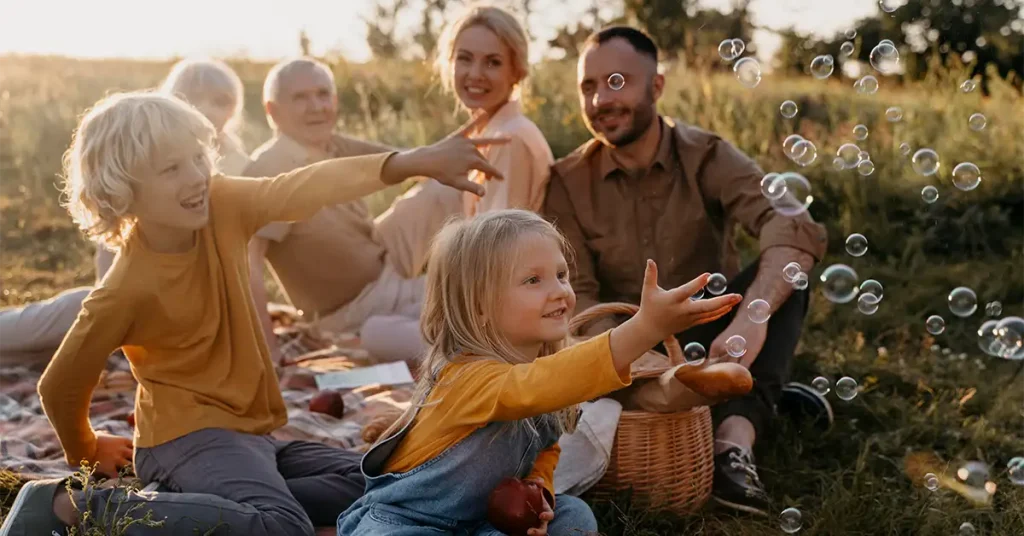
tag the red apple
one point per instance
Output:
(131, 419)
(328, 403)
(514, 507)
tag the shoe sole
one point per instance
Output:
(811, 393)
(740, 507)
(19, 502)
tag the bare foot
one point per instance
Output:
(64, 509)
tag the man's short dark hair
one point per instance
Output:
(640, 41)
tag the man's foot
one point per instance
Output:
(32, 513)
(803, 404)
(718, 381)
(737, 485)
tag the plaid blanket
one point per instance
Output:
(29, 445)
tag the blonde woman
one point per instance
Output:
(483, 59)
(500, 384)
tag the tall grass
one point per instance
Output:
(951, 402)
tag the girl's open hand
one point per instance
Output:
(667, 312)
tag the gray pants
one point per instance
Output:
(225, 482)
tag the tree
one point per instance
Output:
(381, 29)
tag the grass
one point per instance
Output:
(926, 403)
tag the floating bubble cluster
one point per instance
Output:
(885, 57)
(731, 49)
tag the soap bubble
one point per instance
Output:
(821, 385)
(694, 353)
(987, 340)
(967, 529)
(616, 81)
(935, 324)
(801, 282)
(889, 6)
(871, 286)
(926, 162)
(867, 304)
(759, 311)
(748, 72)
(736, 346)
(930, 194)
(789, 143)
(905, 148)
(851, 33)
(769, 189)
(850, 154)
(731, 49)
(856, 244)
(788, 109)
(1015, 470)
(797, 195)
(697, 295)
(839, 283)
(993, 308)
(822, 66)
(893, 114)
(838, 163)
(846, 388)
(866, 167)
(973, 473)
(867, 85)
(790, 520)
(966, 176)
(716, 284)
(804, 153)
(860, 132)
(790, 271)
(931, 481)
(846, 49)
(963, 302)
(1010, 337)
(977, 122)
(885, 57)
(968, 86)
(864, 155)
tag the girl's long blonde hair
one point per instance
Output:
(503, 24)
(190, 79)
(469, 261)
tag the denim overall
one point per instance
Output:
(448, 494)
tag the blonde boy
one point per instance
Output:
(177, 301)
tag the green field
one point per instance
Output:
(919, 395)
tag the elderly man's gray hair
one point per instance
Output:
(272, 85)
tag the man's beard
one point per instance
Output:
(642, 116)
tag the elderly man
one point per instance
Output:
(647, 187)
(341, 267)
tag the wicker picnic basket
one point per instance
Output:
(665, 458)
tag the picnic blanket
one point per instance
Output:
(29, 445)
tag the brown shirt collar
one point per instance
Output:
(607, 166)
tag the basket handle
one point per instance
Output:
(675, 352)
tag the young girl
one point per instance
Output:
(483, 58)
(500, 383)
(139, 178)
(216, 91)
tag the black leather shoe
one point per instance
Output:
(802, 404)
(737, 485)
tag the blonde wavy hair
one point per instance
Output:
(497, 20)
(193, 79)
(469, 260)
(115, 146)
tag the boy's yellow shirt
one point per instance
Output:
(187, 322)
(473, 394)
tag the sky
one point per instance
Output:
(268, 29)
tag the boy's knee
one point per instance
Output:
(573, 517)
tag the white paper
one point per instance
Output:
(387, 374)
